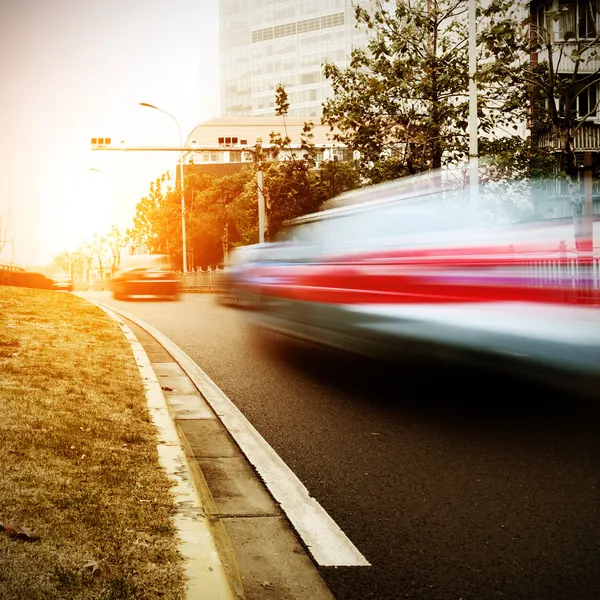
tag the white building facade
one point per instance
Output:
(265, 43)
(233, 140)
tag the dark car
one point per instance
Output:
(146, 275)
(62, 281)
(500, 276)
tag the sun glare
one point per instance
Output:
(77, 211)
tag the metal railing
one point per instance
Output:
(579, 278)
(587, 137)
(11, 268)
(200, 280)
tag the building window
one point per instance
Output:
(542, 27)
(586, 102)
(308, 78)
(578, 19)
(587, 19)
(288, 29)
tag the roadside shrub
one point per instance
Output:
(25, 279)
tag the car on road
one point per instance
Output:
(146, 275)
(62, 281)
(497, 274)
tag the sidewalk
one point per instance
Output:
(260, 554)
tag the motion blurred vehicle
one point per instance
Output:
(62, 281)
(146, 275)
(498, 274)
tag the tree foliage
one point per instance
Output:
(403, 100)
(157, 221)
(219, 215)
(222, 212)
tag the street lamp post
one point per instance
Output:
(183, 241)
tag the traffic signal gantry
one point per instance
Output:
(105, 144)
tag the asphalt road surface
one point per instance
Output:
(453, 484)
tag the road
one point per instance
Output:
(452, 484)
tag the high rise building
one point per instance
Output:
(265, 43)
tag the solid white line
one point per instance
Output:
(327, 543)
(206, 573)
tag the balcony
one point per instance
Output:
(566, 62)
(586, 138)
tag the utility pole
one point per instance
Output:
(473, 150)
(261, 196)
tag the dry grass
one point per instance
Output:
(78, 461)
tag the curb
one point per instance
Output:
(327, 543)
(209, 559)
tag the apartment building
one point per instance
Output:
(573, 29)
(265, 43)
(577, 26)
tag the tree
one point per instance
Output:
(288, 183)
(65, 262)
(115, 241)
(85, 255)
(403, 101)
(294, 186)
(157, 222)
(98, 250)
(4, 230)
(215, 214)
(335, 177)
(223, 211)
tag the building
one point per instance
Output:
(224, 145)
(578, 23)
(570, 25)
(265, 43)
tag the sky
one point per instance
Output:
(72, 70)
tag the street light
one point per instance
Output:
(183, 243)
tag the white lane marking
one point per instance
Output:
(205, 570)
(327, 543)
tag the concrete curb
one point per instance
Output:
(204, 549)
(326, 542)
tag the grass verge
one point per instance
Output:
(78, 459)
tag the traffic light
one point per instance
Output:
(100, 142)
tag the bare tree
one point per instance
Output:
(116, 241)
(4, 231)
(98, 248)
